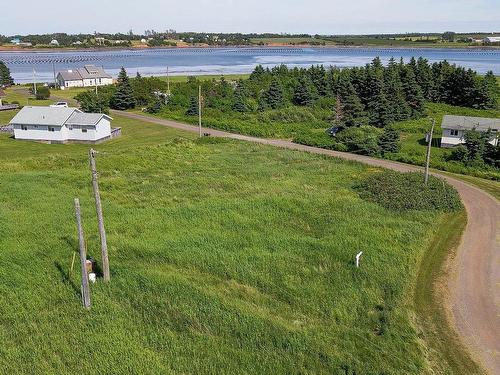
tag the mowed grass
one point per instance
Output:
(226, 258)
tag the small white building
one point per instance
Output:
(60, 125)
(454, 128)
(491, 39)
(54, 42)
(88, 76)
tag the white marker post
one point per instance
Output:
(358, 257)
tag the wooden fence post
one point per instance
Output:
(428, 156)
(83, 257)
(100, 219)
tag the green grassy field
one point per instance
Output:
(226, 258)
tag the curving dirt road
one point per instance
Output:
(474, 287)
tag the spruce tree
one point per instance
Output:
(413, 92)
(302, 94)
(193, 106)
(377, 105)
(491, 90)
(5, 77)
(389, 140)
(352, 110)
(274, 95)
(240, 104)
(123, 98)
(395, 96)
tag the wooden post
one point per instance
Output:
(199, 110)
(100, 219)
(428, 157)
(83, 257)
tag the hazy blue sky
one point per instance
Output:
(293, 16)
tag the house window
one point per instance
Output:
(84, 130)
(24, 127)
(51, 129)
(454, 132)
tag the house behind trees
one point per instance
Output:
(454, 128)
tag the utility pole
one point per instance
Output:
(428, 157)
(100, 219)
(83, 257)
(199, 109)
(54, 70)
(168, 82)
(34, 81)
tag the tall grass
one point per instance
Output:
(226, 258)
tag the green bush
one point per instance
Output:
(42, 93)
(361, 140)
(407, 191)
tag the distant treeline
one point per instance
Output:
(233, 38)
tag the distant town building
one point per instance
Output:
(454, 128)
(491, 39)
(88, 76)
(60, 125)
(54, 42)
(15, 41)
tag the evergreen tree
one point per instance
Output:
(395, 96)
(5, 77)
(302, 94)
(423, 75)
(352, 110)
(491, 90)
(92, 103)
(239, 104)
(274, 95)
(389, 140)
(123, 98)
(377, 106)
(262, 103)
(413, 92)
(193, 106)
(319, 79)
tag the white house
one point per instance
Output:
(491, 39)
(454, 128)
(60, 125)
(54, 42)
(88, 76)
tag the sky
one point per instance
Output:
(277, 16)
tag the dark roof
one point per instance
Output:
(469, 123)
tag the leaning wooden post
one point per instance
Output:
(100, 219)
(199, 110)
(428, 158)
(83, 257)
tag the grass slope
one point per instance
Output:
(226, 258)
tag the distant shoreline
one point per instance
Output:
(274, 45)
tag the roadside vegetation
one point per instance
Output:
(376, 110)
(226, 257)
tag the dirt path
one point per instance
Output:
(474, 288)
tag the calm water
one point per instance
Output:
(196, 61)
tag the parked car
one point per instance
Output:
(59, 105)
